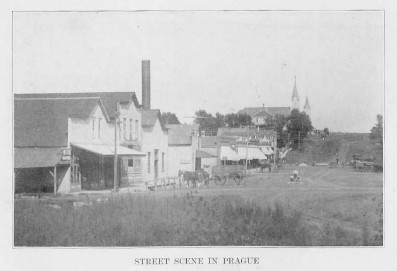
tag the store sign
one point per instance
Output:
(66, 155)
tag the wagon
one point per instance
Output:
(220, 174)
(364, 165)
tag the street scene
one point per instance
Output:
(198, 129)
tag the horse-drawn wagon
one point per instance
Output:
(220, 174)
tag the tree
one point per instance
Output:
(326, 131)
(299, 125)
(377, 130)
(278, 122)
(208, 122)
(237, 120)
(170, 118)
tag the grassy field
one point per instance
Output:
(331, 207)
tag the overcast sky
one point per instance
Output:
(217, 61)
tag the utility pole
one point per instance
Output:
(246, 151)
(115, 171)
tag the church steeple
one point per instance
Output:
(295, 97)
(307, 105)
(307, 108)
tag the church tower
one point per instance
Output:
(295, 98)
(307, 108)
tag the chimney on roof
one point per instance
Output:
(146, 84)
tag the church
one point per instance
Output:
(260, 115)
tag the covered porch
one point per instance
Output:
(96, 166)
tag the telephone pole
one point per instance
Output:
(115, 171)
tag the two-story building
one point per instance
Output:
(70, 140)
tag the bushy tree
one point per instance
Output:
(299, 125)
(170, 118)
(237, 120)
(377, 130)
(326, 131)
(278, 122)
(208, 122)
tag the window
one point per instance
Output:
(93, 127)
(130, 129)
(130, 162)
(162, 162)
(99, 127)
(148, 162)
(136, 129)
(119, 124)
(124, 128)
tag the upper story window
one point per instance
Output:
(99, 127)
(93, 127)
(124, 128)
(148, 162)
(136, 129)
(130, 129)
(119, 124)
(162, 162)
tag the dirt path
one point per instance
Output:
(344, 149)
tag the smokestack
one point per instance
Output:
(146, 84)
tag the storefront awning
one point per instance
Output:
(108, 150)
(267, 150)
(228, 154)
(253, 153)
(36, 157)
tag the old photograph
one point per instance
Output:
(198, 128)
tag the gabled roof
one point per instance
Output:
(271, 110)
(44, 122)
(109, 99)
(181, 134)
(149, 117)
(262, 113)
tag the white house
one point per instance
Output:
(154, 145)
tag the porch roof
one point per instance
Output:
(36, 157)
(252, 153)
(108, 150)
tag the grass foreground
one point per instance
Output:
(185, 219)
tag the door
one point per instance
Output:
(75, 178)
(156, 164)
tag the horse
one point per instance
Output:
(194, 177)
(189, 177)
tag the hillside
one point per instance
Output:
(316, 150)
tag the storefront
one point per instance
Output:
(96, 166)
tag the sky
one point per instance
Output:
(217, 61)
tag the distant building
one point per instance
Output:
(260, 115)
(182, 148)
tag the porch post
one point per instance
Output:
(55, 179)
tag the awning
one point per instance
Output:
(36, 157)
(253, 153)
(267, 150)
(228, 154)
(108, 150)
(203, 154)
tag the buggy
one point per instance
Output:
(220, 174)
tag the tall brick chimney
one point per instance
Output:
(146, 84)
